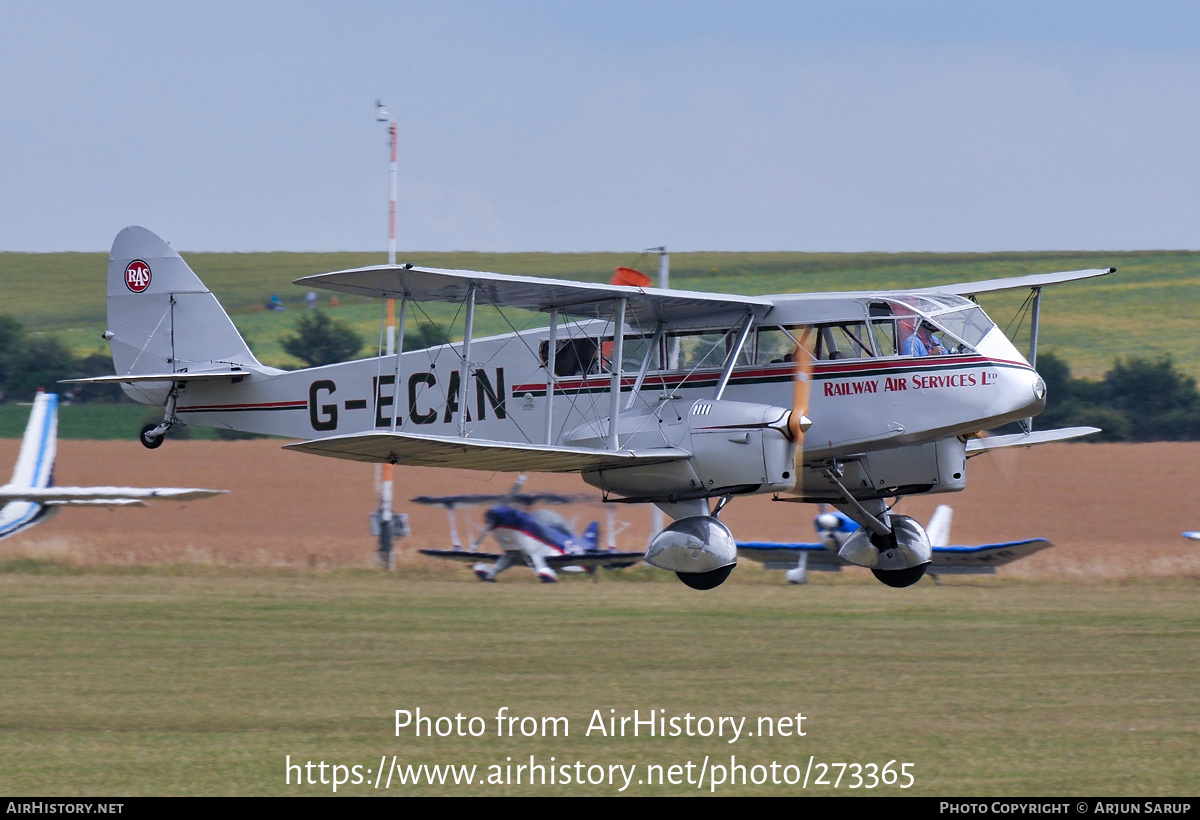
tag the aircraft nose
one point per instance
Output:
(1038, 397)
(496, 516)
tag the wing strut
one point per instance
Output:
(399, 350)
(747, 326)
(551, 350)
(1033, 340)
(465, 378)
(641, 376)
(615, 364)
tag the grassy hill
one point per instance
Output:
(1145, 309)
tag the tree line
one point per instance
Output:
(1139, 399)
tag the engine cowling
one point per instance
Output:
(737, 448)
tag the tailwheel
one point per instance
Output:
(148, 441)
(706, 580)
(901, 577)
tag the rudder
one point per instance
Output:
(161, 317)
(591, 536)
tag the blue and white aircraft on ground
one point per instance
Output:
(541, 539)
(834, 529)
(30, 497)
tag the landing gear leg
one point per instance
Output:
(153, 435)
(894, 547)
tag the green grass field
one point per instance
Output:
(196, 680)
(1146, 309)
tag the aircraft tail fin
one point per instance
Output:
(35, 463)
(161, 317)
(938, 528)
(591, 537)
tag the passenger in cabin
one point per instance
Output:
(574, 357)
(920, 341)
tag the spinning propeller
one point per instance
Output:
(798, 421)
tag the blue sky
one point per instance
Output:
(578, 126)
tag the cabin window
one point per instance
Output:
(633, 351)
(846, 340)
(969, 325)
(883, 331)
(777, 345)
(827, 342)
(591, 357)
(695, 351)
(927, 325)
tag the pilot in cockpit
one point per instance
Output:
(921, 340)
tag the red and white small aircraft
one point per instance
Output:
(682, 399)
(540, 539)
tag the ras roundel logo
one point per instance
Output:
(137, 276)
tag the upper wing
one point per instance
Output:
(1036, 280)
(646, 306)
(99, 495)
(478, 454)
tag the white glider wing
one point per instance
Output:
(65, 496)
(30, 495)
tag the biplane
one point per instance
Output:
(835, 528)
(681, 399)
(540, 539)
(30, 497)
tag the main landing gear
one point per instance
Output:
(699, 549)
(153, 435)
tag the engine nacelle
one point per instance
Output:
(737, 447)
(898, 560)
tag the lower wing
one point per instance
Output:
(609, 560)
(465, 556)
(958, 558)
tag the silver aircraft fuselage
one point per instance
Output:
(891, 421)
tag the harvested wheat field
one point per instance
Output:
(1113, 510)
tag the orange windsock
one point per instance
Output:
(630, 277)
